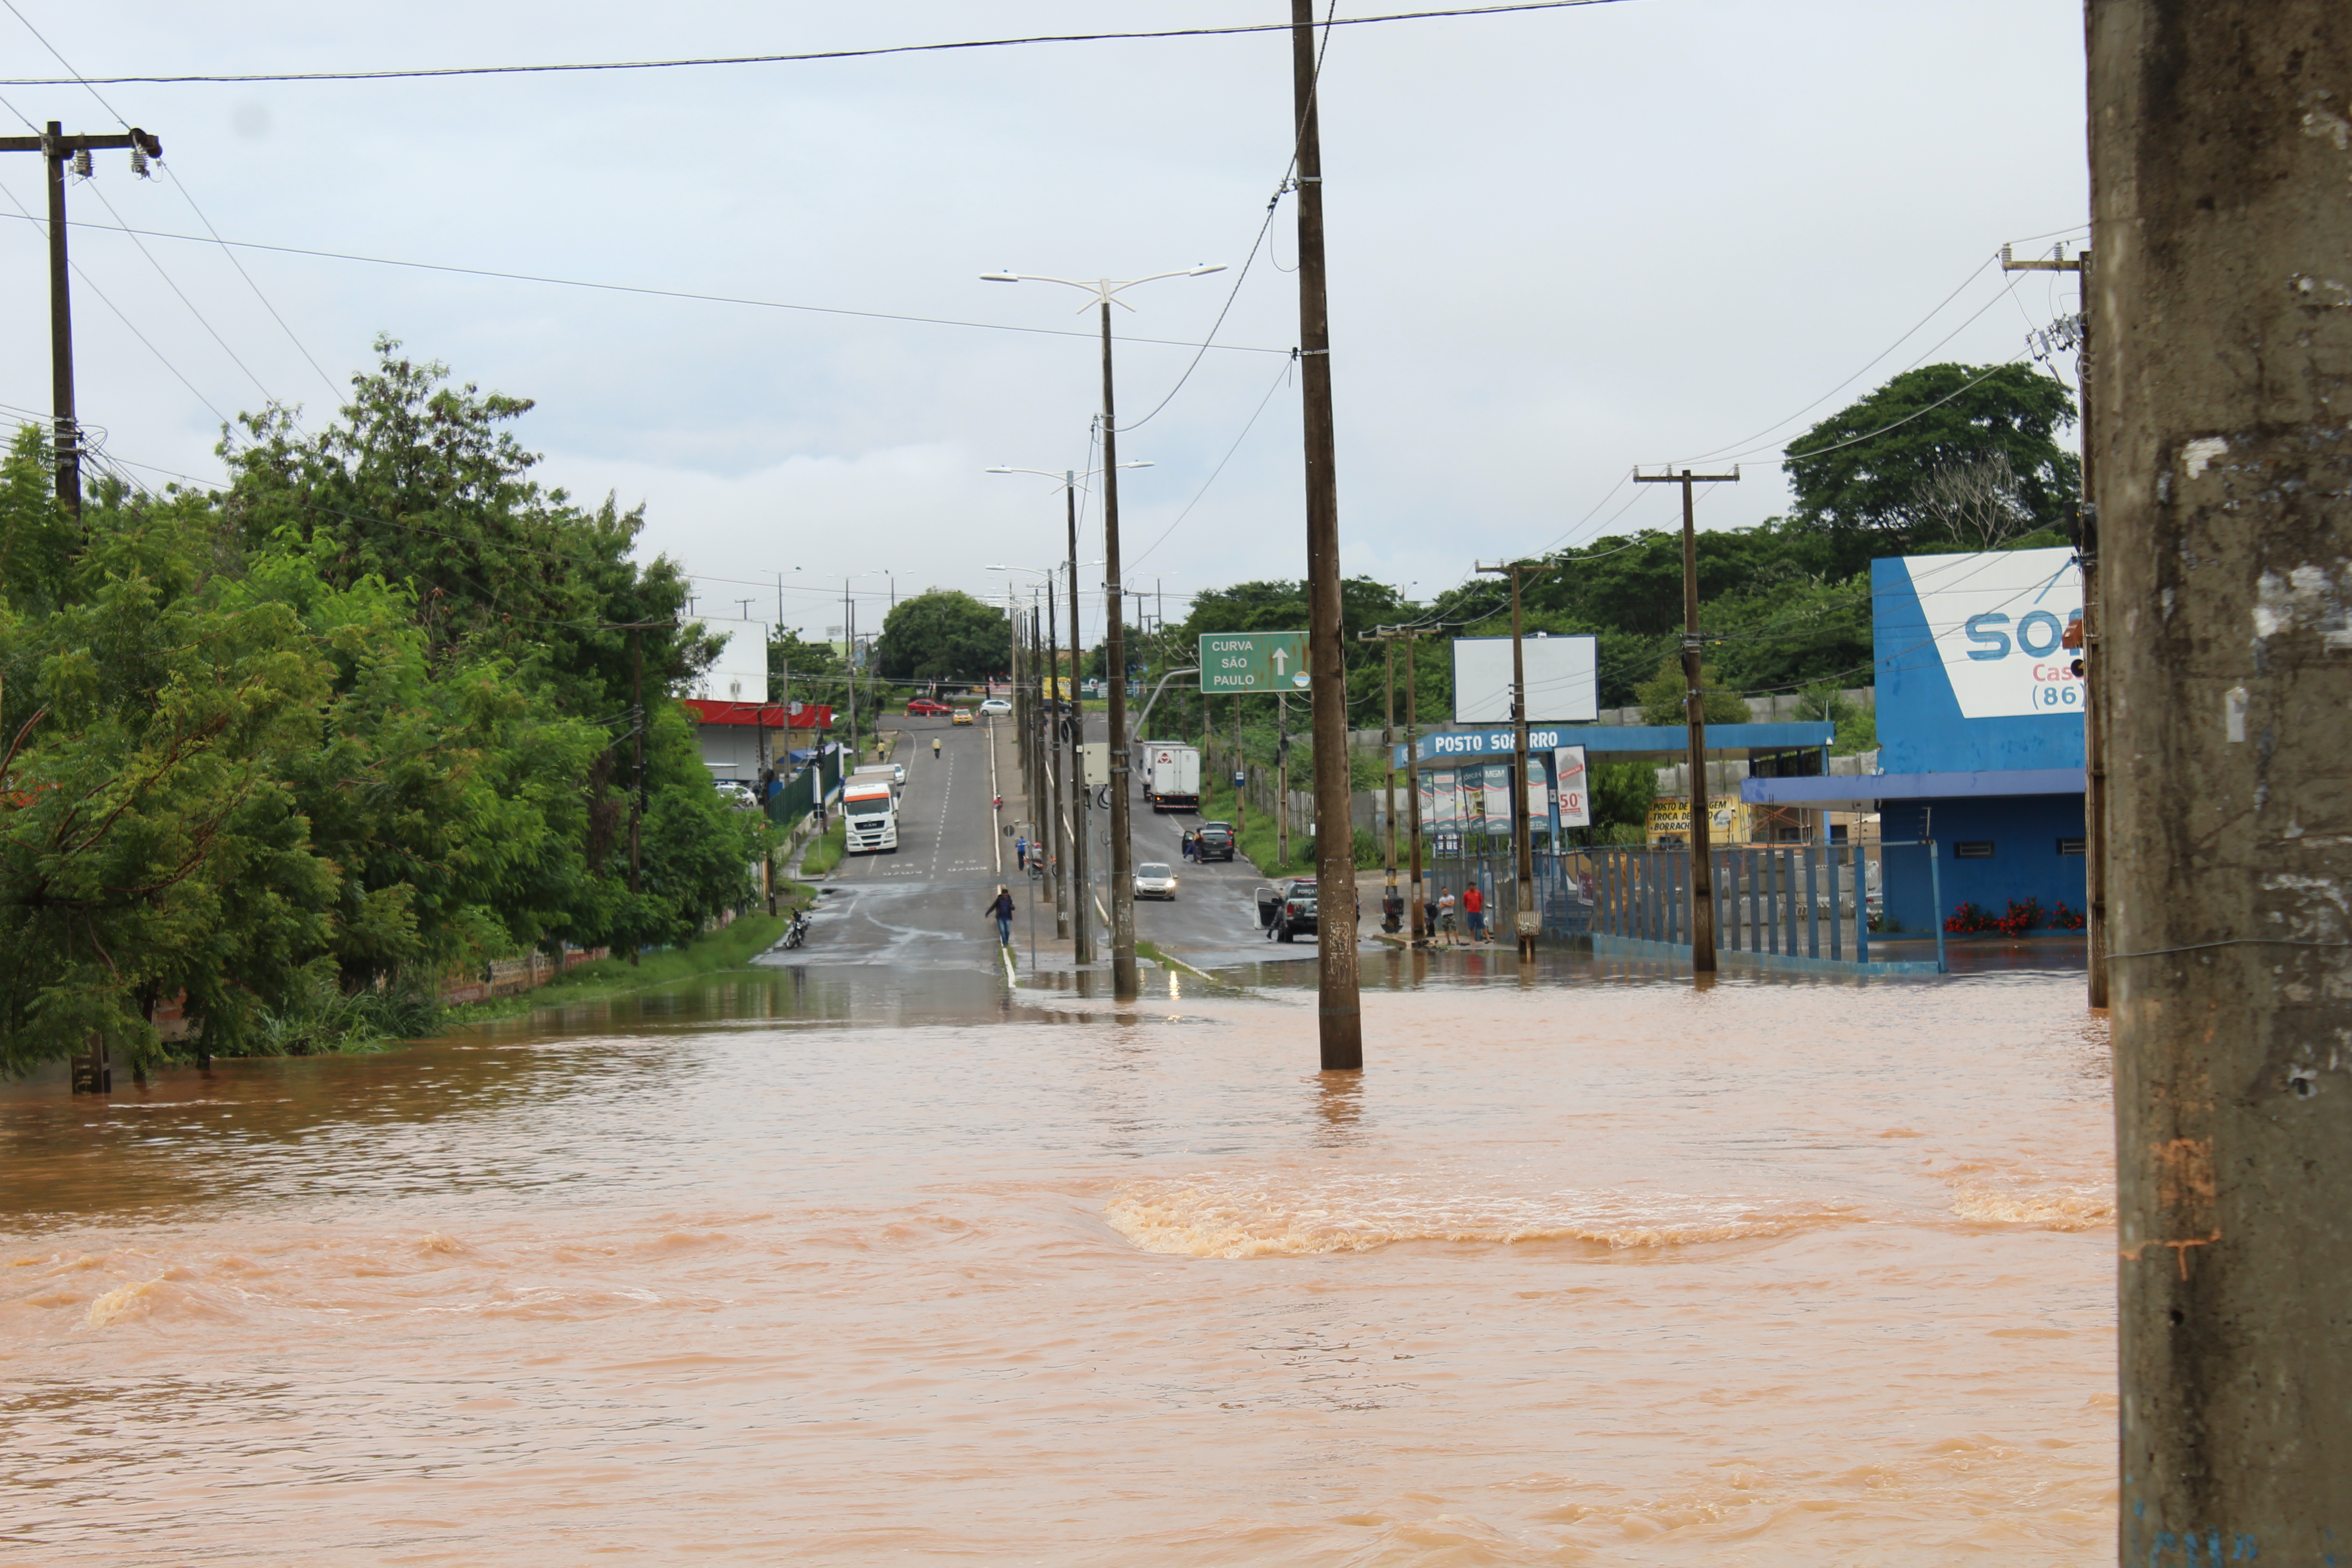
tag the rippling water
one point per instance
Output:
(792, 1269)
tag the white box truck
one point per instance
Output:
(1171, 776)
(870, 808)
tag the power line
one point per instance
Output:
(1220, 468)
(188, 196)
(787, 59)
(659, 293)
(109, 304)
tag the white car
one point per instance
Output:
(996, 705)
(737, 794)
(1154, 880)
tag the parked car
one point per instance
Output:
(1154, 880)
(1296, 914)
(996, 705)
(737, 794)
(962, 715)
(924, 708)
(1214, 841)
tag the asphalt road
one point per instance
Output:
(925, 907)
(926, 904)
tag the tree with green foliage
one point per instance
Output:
(944, 633)
(1664, 697)
(345, 726)
(1945, 456)
(1621, 796)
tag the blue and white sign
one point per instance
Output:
(1999, 622)
(1973, 670)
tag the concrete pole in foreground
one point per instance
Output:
(2220, 136)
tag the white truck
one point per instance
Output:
(1171, 776)
(870, 808)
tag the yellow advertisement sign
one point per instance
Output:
(1726, 823)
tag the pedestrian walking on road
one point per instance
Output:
(1188, 845)
(1021, 853)
(1474, 905)
(935, 740)
(1002, 908)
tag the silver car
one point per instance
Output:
(996, 705)
(1155, 881)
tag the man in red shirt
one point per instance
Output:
(1473, 904)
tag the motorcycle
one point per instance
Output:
(796, 933)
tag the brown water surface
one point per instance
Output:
(791, 1269)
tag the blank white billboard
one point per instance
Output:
(1563, 686)
(740, 674)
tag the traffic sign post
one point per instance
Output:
(1237, 663)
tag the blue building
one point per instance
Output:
(1979, 730)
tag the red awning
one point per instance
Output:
(762, 715)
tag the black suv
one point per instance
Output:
(1214, 841)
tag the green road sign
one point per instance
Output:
(1253, 661)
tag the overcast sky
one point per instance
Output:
(1560, 243)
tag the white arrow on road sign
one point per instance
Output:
(1281, 657)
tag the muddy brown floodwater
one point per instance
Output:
(801, 1268)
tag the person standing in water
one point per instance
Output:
(1002, 908)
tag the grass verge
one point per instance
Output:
(737, 945)
(826, 853)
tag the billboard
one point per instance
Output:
(740, 673)
(1562, 684)
(1974, 673)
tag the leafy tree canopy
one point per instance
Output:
(944, 633)
(1946, 454)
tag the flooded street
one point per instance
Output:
(811, 1268)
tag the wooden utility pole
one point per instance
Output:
(2086, 554)
(2222, 370)
(1340, 1012)
(63, 152)
(1702, 883)
(1082, 920)
(1525, 915)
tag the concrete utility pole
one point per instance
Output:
(1528, 920)
(63, 152)
(1281, 779)
(1386, 636)
(2221, 141)
(1702, 886)
(1057, 834)
(2086, 553)
(1082, 920)
(1340, 1015)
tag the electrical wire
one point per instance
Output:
(103, 299)
(187, 195)
(656, 293)
(1249, 425)
(793, 59)
(1297, 139)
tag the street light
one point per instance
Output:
(1105, 292)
